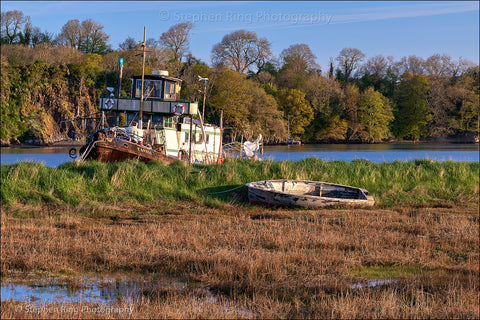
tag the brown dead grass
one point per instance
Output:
(276, 263)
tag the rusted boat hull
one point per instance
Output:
(113, 150)
(310, 194)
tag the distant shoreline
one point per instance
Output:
(65, 144)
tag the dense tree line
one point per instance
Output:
(48, 78)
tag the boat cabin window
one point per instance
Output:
(151, 89)
(169, 90)
(170, 122)
(157, 121)
(197, 138)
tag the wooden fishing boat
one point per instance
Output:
(115, 144)
(303, 193)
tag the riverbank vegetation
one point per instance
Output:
(47, 79)
(414, 255)
(415, 183)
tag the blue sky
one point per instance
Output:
(395, 28)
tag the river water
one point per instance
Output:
(54, 156)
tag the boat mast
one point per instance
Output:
(140, 116)
(204, 92)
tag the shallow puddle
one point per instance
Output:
(110, 290)
(105, 290)
(373, 283)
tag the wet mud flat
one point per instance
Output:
(237, 262)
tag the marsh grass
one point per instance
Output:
(414, 183)
(393, 272)
(276, 263)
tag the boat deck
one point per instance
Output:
(312, 189)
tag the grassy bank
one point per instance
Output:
(132, 218)
(414, 183)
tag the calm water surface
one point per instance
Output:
(50, 156)
(54, 156)
(375, 152)
(108, 291)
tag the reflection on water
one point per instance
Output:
(54, 156)
(110, 290)
(374, 283)
(51, 294)
(104, 291)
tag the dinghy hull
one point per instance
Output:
(312, 194)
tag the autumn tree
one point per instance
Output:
(439, 103)
(129, 44)
(351, 103)
(296, 110)
(374, 72)
(247, 108)
(192, 88)
(87, 36)
(266, 74)
(459, 67)
(94, 39)
(438, 65)
(231, 94)
(454, 106)
(412, 116)
(375, 115)
(411, 64)
(176, 40)
(71, 34)
(174, 44)
(264, 116)
(376, 66)
(299, 58)
(12, 24)
(152, 43)
(327, 99)
(464, 97)
(298, 63)
(324, 94)
(29, 35)
(348, 61)
(241, 50)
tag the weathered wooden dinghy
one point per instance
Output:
(307, 194)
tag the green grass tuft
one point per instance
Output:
(412, 183)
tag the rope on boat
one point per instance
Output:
(227, 190)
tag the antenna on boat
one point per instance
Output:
(140, 116)
(204, 92)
